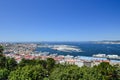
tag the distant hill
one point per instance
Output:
(107, 42)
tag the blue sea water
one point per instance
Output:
(88, 48)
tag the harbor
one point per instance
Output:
(111, 57)
(20, 51)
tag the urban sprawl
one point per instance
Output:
(18, 51)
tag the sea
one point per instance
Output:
(88, 48)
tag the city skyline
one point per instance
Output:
(61, 20)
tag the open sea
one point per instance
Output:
(88, 48)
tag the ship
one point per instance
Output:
(110, 57)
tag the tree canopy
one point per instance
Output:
(29, 72)
(1, 49)
(50, 70)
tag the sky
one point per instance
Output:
(59, 20)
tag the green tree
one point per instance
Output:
(50, 64)
(2, 57)
(43, 63)
(4, 74)
(67, 72)
(11, 64)
(2, 61)
(1, 49)
(116, 73)
(106, 71)
(29, 72)
(25, 62)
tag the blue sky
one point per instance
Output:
(59, 20)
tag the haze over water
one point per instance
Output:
(88, 49)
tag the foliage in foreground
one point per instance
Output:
(48, 70)
(28, 72)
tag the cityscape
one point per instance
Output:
(18, 51)
(59, 39)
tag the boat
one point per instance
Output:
(110, 57)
